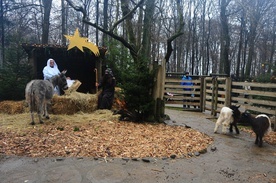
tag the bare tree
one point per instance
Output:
(47, 5)
(63, 21)
(273, 46)
(241, 40)
(256, 11)
(224, 39)
(236, 37)
(105, 18)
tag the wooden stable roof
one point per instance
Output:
(30, 47)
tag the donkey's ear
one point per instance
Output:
(64, 71)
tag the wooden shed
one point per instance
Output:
(79, 65)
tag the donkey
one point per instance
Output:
(39, 93)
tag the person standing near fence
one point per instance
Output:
(187, 81)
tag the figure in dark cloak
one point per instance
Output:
(107, 84)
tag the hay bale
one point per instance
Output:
(74, 102)
(70, 103)
(62, 105)
(12, 107)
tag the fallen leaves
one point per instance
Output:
(82, 136)
(100, 134)
(269, 138)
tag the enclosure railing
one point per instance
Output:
(257, 97)
(175, 93)
(212, 93)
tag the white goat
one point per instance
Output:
(228, 117)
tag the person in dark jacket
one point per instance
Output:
(107, 84)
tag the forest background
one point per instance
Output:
(200, 36)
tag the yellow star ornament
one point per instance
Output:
(80, 42)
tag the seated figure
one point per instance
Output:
(50, 70)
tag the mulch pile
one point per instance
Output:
(99, 134)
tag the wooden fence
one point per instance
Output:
(212, 93)
(261, 97)
(175, 93)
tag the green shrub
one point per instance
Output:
(137, 84)
(14, 75)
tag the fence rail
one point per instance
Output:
(212, 93)
(179, 95)
(260, 98)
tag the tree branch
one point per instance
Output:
(127, 15)
(169, 43)
(132, 50)
(111, 34)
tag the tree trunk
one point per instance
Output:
(129, 27)
(272, 51)
(97, 22)
(63, 22)
(188, 43)
(252, 36)
(105, 25)
(208, 47)
(240, 45)
(46, 20)
(225, 39)
(203, 38)
(257, 10)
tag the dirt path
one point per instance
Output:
(233, 158)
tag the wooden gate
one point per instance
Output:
(208, 93)
(216, 93)
(176, 96)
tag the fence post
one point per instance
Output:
(274, 128)
(228, 84)
(201, 100)
(204, 93)
(158, 93)
(214, 101)
(214, 88)
(216, 96)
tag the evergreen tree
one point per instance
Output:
(15, 74)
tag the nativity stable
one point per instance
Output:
(81, 59)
